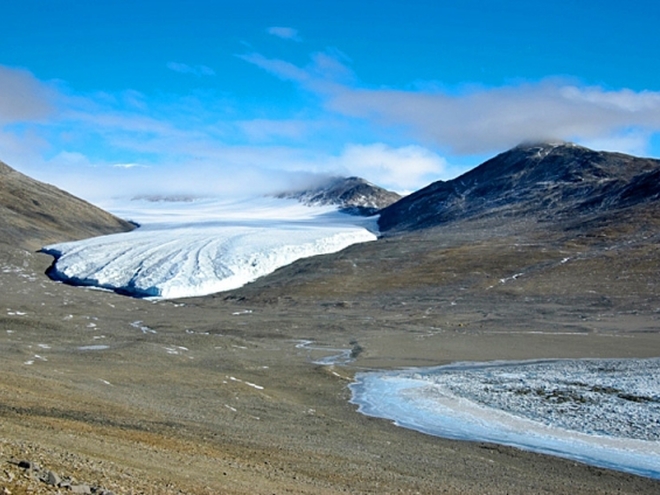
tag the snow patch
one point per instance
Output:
(143, 328)
(95, 347)
(249, 384)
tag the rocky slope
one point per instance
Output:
(33, 214)
(353, 195)
(550, 181)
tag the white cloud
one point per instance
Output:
(495, 119)
(197, 70)
(286, 33)
(402, 169)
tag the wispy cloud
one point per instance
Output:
(286, 33)
(325, 73)
(280, 68)
(478, 120)
(197, 70)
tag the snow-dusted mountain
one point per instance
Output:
(352, 195)
(199, 247)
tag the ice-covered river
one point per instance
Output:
(604, 412)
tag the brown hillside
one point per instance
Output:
(33, 214)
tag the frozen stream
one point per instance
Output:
(604, 412)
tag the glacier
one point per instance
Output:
(203, 246)
(603, 412)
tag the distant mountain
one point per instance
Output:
(549, 180)
(33, 214)
(353, 195)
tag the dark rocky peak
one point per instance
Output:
(537, 178)
(352, 195)
(529, 164)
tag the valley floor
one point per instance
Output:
(217, 395)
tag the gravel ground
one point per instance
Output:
(216, 395)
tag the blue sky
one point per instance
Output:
(108, 98)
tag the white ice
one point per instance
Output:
(601, 412)
(200, 247)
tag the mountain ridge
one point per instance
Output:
(543, 179)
